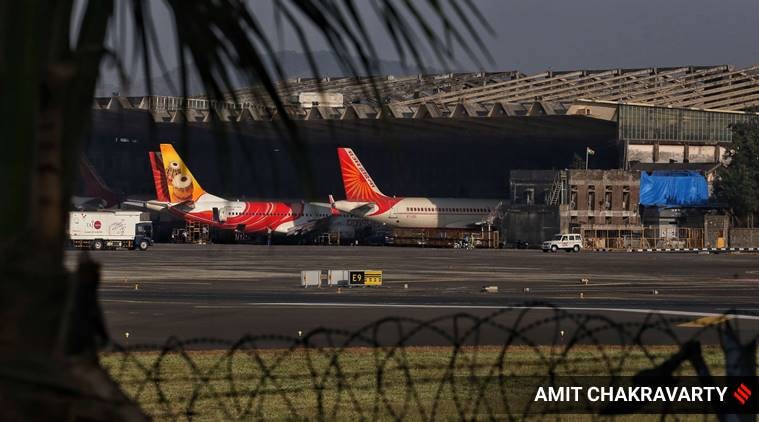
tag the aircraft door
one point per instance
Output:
(219, 214)
(392, 215)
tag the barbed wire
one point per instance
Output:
(478, 367)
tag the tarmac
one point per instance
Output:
(228, 291)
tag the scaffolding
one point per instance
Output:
(199, 233)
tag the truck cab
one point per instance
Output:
(569, 242)
(143, 235)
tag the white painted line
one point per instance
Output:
(412, 306)
(138, 281)
(148, 302)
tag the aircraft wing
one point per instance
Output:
(356, 208)
(153, 205)
(302, 228)
(87, 203)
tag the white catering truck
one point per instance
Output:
(110, 230)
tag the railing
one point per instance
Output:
(644, 238)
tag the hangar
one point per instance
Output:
(439, 135)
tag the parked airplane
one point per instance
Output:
(363, 198)
(98, 194)
(179, 192)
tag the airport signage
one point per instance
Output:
(365, 278)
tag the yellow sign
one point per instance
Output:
(373, 278)
(366, 278)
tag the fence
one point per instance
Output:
(664, 237)
(478, 367)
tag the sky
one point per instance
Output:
(537, 35)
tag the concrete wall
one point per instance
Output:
(744, 238)
(715, 227)
(532, 224)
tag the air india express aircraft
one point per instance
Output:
(363, 198)
(179, 192)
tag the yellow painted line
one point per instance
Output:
(707, 321)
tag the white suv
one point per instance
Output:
(568, 242)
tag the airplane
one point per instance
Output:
(98, 194)
(363, 198)
(180, 193)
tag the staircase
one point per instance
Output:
(559, 183)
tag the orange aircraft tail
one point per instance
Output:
(181, 185)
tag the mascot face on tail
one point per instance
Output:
(181, 184)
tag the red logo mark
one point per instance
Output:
(96, 225)
(742, 394)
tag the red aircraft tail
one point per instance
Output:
(159, 177)
(358, 185)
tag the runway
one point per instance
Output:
(226, 291)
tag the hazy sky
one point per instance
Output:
(533, 35)
(560, 34)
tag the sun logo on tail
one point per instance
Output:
(357, 182)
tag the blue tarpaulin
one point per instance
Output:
(673, 188)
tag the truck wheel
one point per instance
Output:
(576, 248)
(554, 248)
(97, 244)
(143, 245)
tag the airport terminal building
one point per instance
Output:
(450, 135)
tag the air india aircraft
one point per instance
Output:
(179, 192)
(363, 198)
